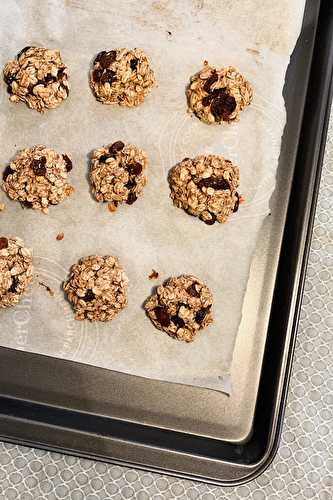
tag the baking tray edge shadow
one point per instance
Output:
(195, 457)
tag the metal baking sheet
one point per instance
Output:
(152, 233)
(184, 430)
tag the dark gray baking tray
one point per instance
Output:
(186, 431)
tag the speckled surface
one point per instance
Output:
(303, 467)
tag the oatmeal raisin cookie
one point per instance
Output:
(122, 76)
(97, 288)
(117, 173)
(218, 95)
(181, 307)
(37, 77)
(38, 177)
(206, 187)
(15, 270)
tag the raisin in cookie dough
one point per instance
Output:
(206, 187)
(97, 288)
(181, 307)
(117, 173)
(38, 177)
(37, 77)
(218, 95)
(15, 270)
(122, 76)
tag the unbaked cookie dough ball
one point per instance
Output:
(206, 187)
(38, 177)
(117, 173)
(15, 270)
(122, 76)
(37, 77)
(97, 288)
(181, 307)
(218, 95)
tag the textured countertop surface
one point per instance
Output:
(303, 467)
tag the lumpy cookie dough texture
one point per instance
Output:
(117, 173)
(218, 95)
(122, 76)
(97, 288)
(15, 270)
(206, 187)
(181, 307)
(37, 77)
(38, 177)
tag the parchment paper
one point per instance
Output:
(258, 37)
